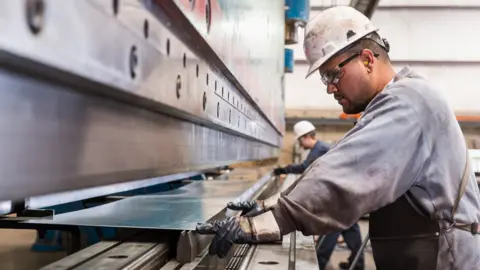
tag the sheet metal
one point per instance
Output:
(38, 202)
(176, 210)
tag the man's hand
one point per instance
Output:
(248, 208)
(253, 208)
(279, 171)
(240, 230)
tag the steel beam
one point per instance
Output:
(367, 7)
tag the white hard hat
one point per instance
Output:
(301, 128)
(331, 31)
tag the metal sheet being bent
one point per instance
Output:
(179, 209)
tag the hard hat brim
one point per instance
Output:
(315, 66)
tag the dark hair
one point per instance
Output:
(311, 134)
(374, 43)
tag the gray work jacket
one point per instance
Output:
(407, 139)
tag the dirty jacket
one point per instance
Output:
(407, 139)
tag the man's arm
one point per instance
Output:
(376, 162)
(314, 154)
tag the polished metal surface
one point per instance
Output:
(38, 202)
(56, 140)
(190, 244)
(136, 254)
(136, 55)
(120, 97)
(81, 256)
(248, 36)
(181, 209)
(296, 251)
(248, 257)
(143, 212)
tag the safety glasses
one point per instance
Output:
(333, 76)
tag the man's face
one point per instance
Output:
(305, 142)
(349, 79)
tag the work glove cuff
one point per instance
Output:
(265, 228)
(268, 203)
(280, 170)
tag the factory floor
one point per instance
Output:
(15, 253)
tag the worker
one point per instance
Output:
(305, 135)
(405, 162)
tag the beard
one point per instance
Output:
(360, 103)
(355, 107)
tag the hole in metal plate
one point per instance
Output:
(268, 262)
(145, 28)
(115, 7)
(168, 46)
(204, 100)
(35, 15)
(133, 62)
(118, 257)
(208, 14)
(178, 85)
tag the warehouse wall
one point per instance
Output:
(436, 38)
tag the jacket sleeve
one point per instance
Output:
(297, 168)
(375, 163)
(312, 156)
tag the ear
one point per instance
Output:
(368, 58)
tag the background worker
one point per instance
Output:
(405, 161)
(305, 135)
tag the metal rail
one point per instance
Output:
(144, 251)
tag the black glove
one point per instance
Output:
(240, 230)
(279, 171)
(248, 208)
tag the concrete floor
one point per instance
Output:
(15, 253)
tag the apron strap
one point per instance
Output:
(463, 185)
(474, 228)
